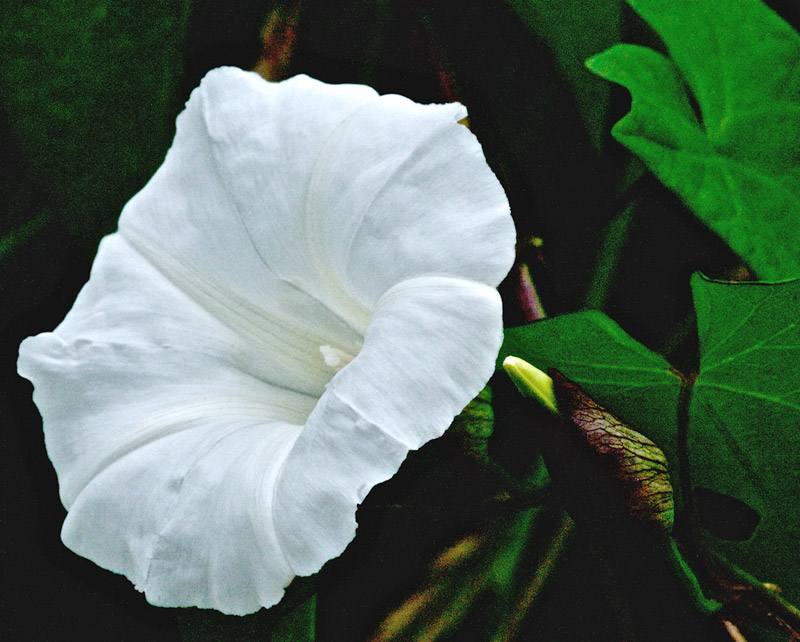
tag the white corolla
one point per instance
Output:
(304, 292)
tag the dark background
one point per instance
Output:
(88, 105)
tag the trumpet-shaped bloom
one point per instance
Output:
(302, 293)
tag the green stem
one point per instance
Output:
(617, 232)
(615, 238)
(756, 598)
(689, 580)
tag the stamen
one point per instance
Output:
(335, 358)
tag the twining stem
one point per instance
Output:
(616, 234)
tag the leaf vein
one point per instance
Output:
(752, 348)
(779, 401)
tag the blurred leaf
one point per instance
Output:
(573, 31)
(737, 162)
(444, 602)
(487, 581)
(546, 563)
(298, 625)
(744, 433)
(89, 90)
(14, 238)
(474, 425)
(745, 406)
(278, 37)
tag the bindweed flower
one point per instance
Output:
(302, 293)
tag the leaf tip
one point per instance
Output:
(597, 63)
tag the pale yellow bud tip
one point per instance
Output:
(531, 382)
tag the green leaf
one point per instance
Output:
(737, 165)
(90, 92)
(744, 410)
(744, 431)
(637, 385)
(15, 238)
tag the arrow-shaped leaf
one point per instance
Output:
(737, 162)
(744, 415)
(744, 429)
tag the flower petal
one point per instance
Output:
(189, 221)
(429, 350)
(195, 509)
(402, 190)
(377, 189)
(167, 436)
(266, 138)
(137, 359)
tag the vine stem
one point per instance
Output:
(689, 580)
(750, 596)
(620, 214)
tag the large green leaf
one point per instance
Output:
(744, 431)
(745, 406)
(737, 162)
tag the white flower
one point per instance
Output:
(302, 293)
